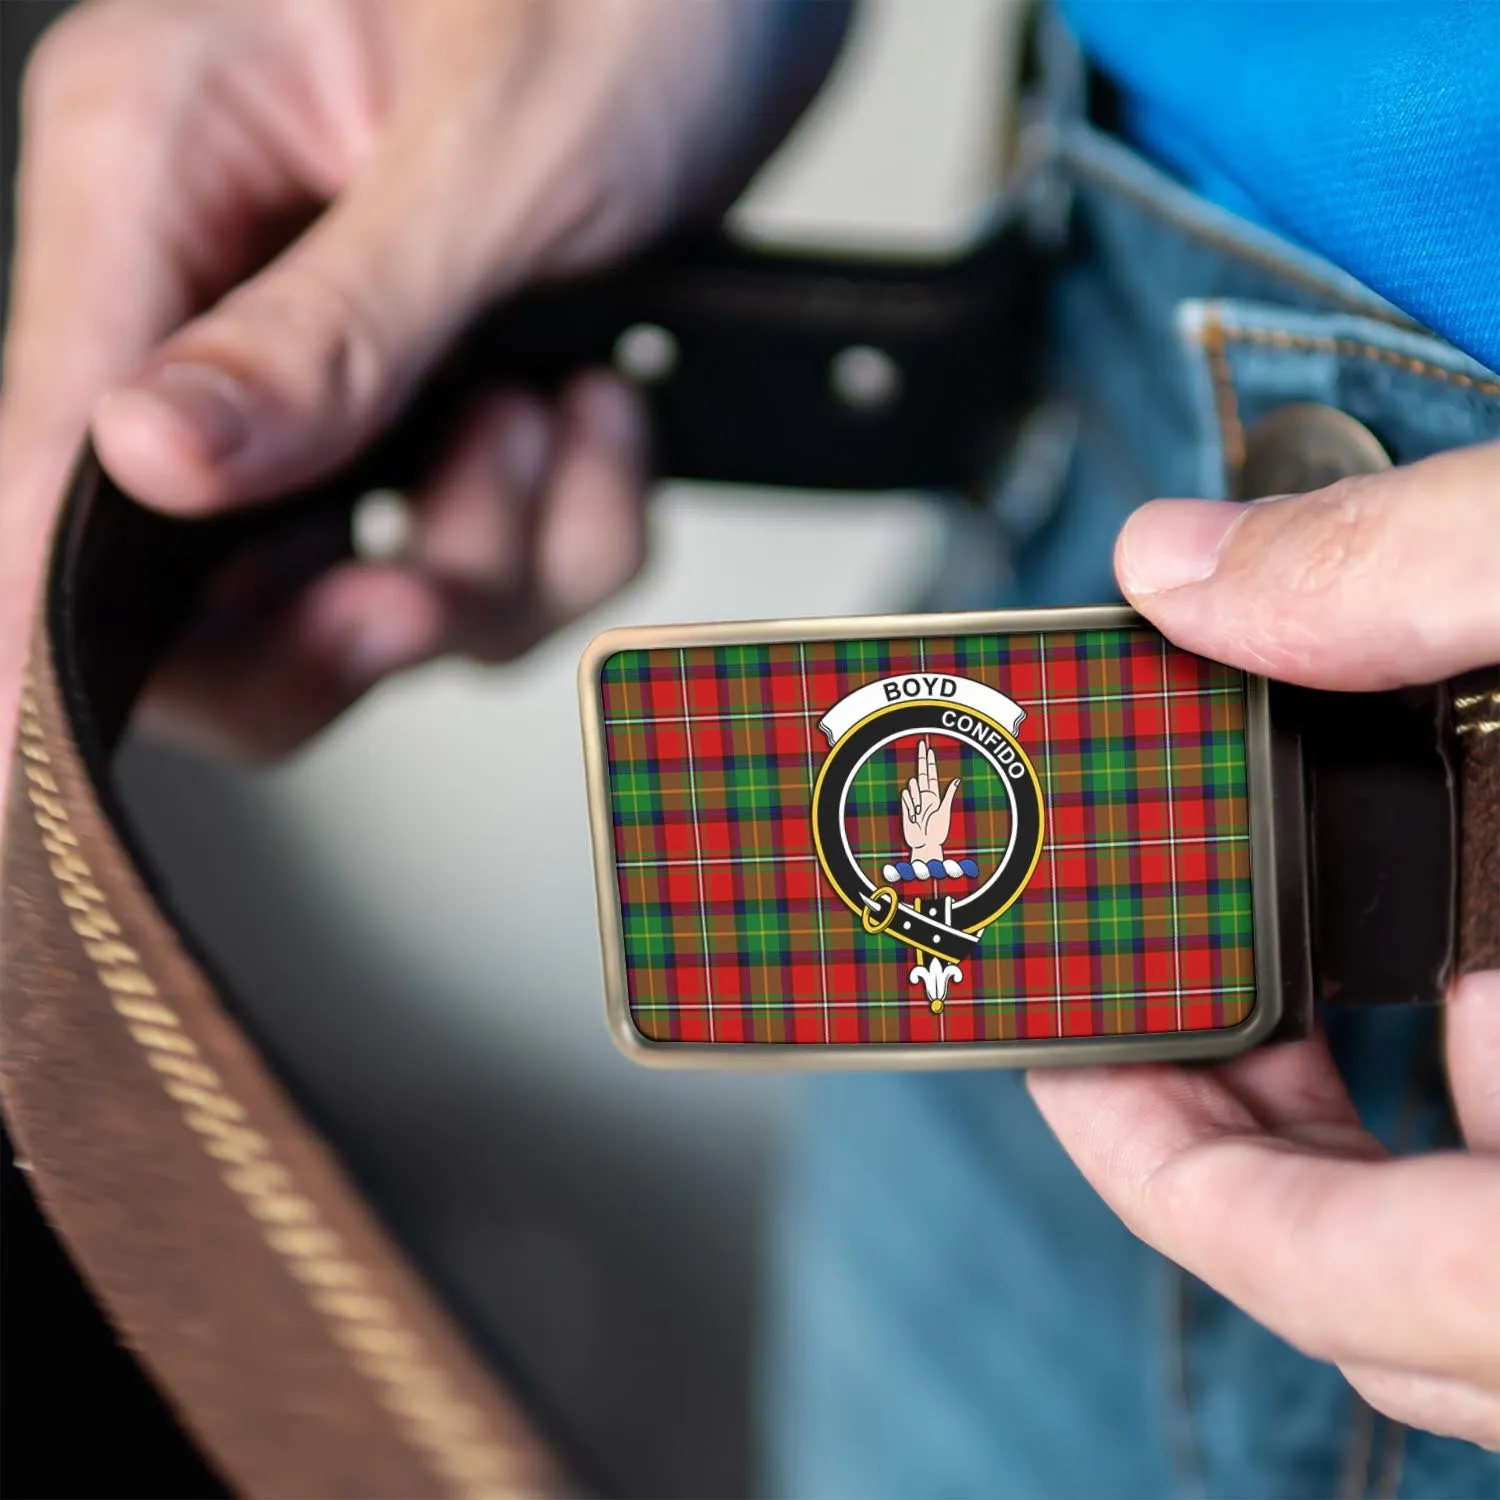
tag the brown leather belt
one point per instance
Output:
(1476, 727)
(216, 1225)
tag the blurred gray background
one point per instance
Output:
(599, 1222)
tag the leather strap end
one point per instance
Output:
(1476, 735)
(230, 1248)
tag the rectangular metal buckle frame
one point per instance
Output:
(757, 908)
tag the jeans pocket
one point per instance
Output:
(1415, 393)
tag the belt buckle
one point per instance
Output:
(1011, 838)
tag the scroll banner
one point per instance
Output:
(920, 687)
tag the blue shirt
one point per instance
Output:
(1366, 130)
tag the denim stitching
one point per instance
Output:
(1265, 260)
(1211, 337)
(1276, 338)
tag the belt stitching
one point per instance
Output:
(1467, 722)
(367, 1327)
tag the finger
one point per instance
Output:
(592, 533)
(474, 578)
(1375, 582)
(476, 515)
(1084, 1105)
(260, 674)
(916, 793)
(1472, 1017)
(1314, 1245)
(88, 212)
(1297, 1091)
(1452, 1408)
(95, 279)
(496, 567)
(296, 368)
(586, 536)
(267, 693)
(947, 803)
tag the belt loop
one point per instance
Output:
(1062, 73)
(1053, 98)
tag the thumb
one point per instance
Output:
(1376, 582)
(293, 371)
(949, 794)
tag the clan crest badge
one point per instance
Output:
(925, 864)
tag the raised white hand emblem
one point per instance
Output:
(925, 812)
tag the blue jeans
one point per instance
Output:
(952, 1312)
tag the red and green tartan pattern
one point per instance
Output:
(1137, 919)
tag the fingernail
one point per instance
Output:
(1170, 543)
(612, 417)
(522, 450)
(378, 646)
(212, 406)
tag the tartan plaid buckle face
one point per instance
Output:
(1010, 838)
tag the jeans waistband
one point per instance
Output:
(1174, 326)
(1220, 320)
